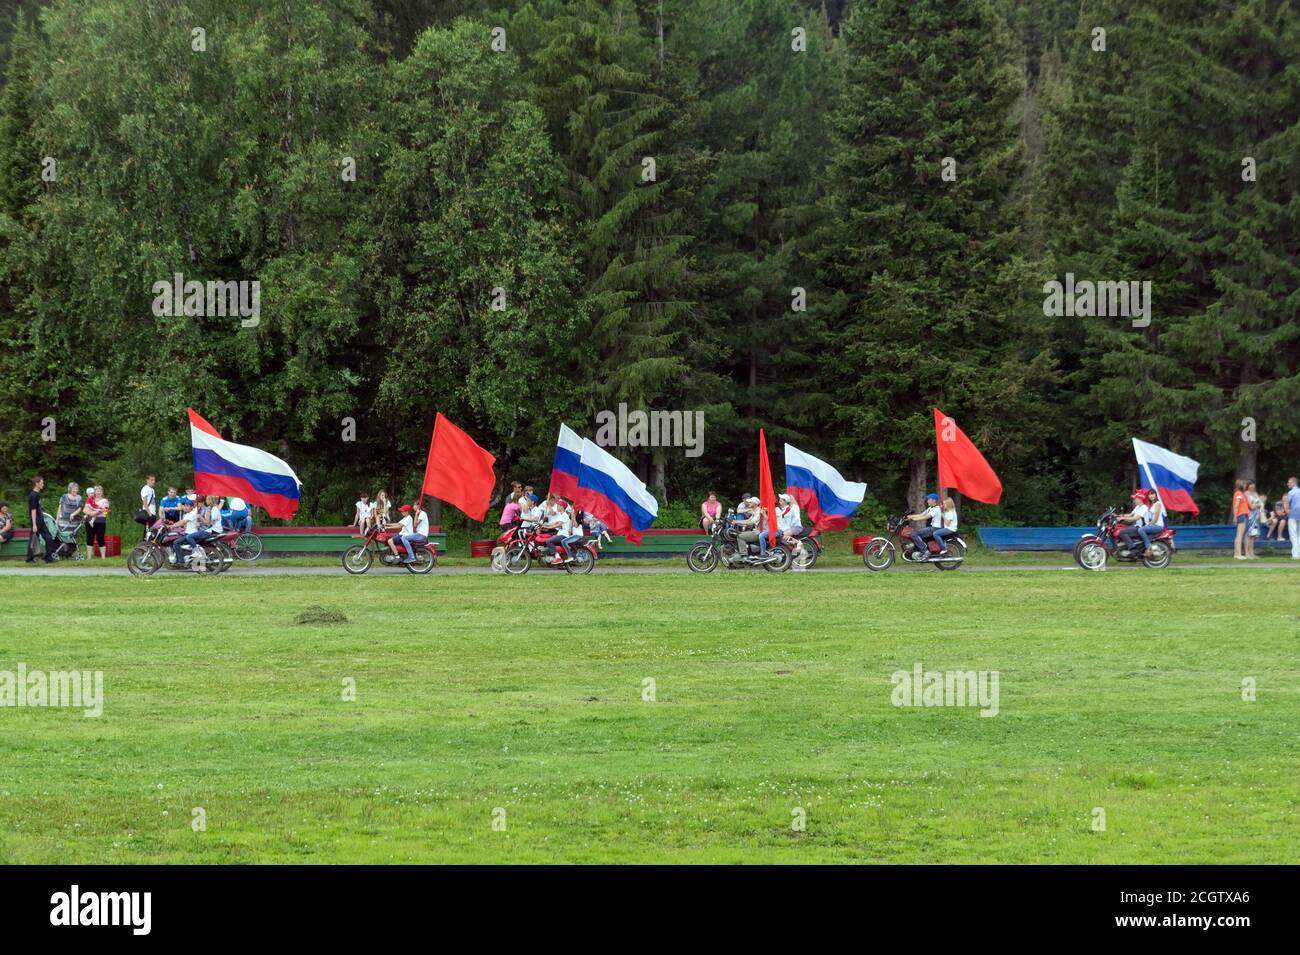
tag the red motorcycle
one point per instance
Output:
(359, 558)
(522, 546)
(880, 552)
(1093, 550)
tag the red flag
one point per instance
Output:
(459, 471)
(766, 493)
(961, 466)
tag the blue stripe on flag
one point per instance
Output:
(603, 483)
(801, 477)
(210, 462)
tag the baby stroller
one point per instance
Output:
(65, 538)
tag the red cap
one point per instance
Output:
(404, 509)
(1140, 494)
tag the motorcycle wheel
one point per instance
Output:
(516, 560)
(878, 554)
(144, 559)
(1158, 556)
(422, 564)
(805, 556)
(958, 551)
(211, 562)
(1090, 555)
(225, 556)
(702, 558)
(582, 563)
(358, 559)
(780, 563)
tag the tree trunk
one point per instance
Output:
(917, 475)
(1247, 459)
(658, 474)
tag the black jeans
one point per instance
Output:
(39, 530)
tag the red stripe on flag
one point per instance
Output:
(224, 485)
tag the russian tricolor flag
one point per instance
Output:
(1171, 475)
(820, 491)
(237, 470)
(608, 489)
(568, 456)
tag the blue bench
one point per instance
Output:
(1186, 537)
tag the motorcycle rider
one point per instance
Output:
(755, 522)
(949, 529)
(933, 515)
(558, 524)
(1135, 518)
(789, 519)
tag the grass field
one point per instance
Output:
(1119, 691)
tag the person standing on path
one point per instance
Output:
(36, 515)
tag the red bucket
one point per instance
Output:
(860, 544)
(113, 545)
(481, 548)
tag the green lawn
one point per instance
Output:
(1119, 691)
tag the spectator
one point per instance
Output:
(1293, 516)
(241, 515)
(510, 513)
(1277, 521)
(1240, 517)
(149, 498)
(96, 511)
(171, 505)
(710, 511)
(362, 512)
(528, 492)
(69, 506)
(1252, 521)
(6, 524)
(383, 509)
(36, 517)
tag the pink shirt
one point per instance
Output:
(510, 514)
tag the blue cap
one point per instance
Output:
(932, 497)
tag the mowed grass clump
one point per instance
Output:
(657, 718)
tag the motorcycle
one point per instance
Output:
(1093, 550)
(523, 546)
(724, 547)
(805, 548)
(359, 558)
(155, 552)
(880, 552)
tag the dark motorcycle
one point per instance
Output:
(880, 552)
(724, 547)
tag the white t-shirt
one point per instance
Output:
(147, 498)
(191, 519)
(363, 512)
(214, 514)
(950, 520)
(934, 514)
(405, 524)
(788, 518)
(1141, 512)
(561, 521)
(422, 526)
(532, 516)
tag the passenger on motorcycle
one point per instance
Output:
(1135, 518)
(1154, 522)
(577, 531)
(949, 529)
(933, 515)
(789, 519)
(558, 524)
